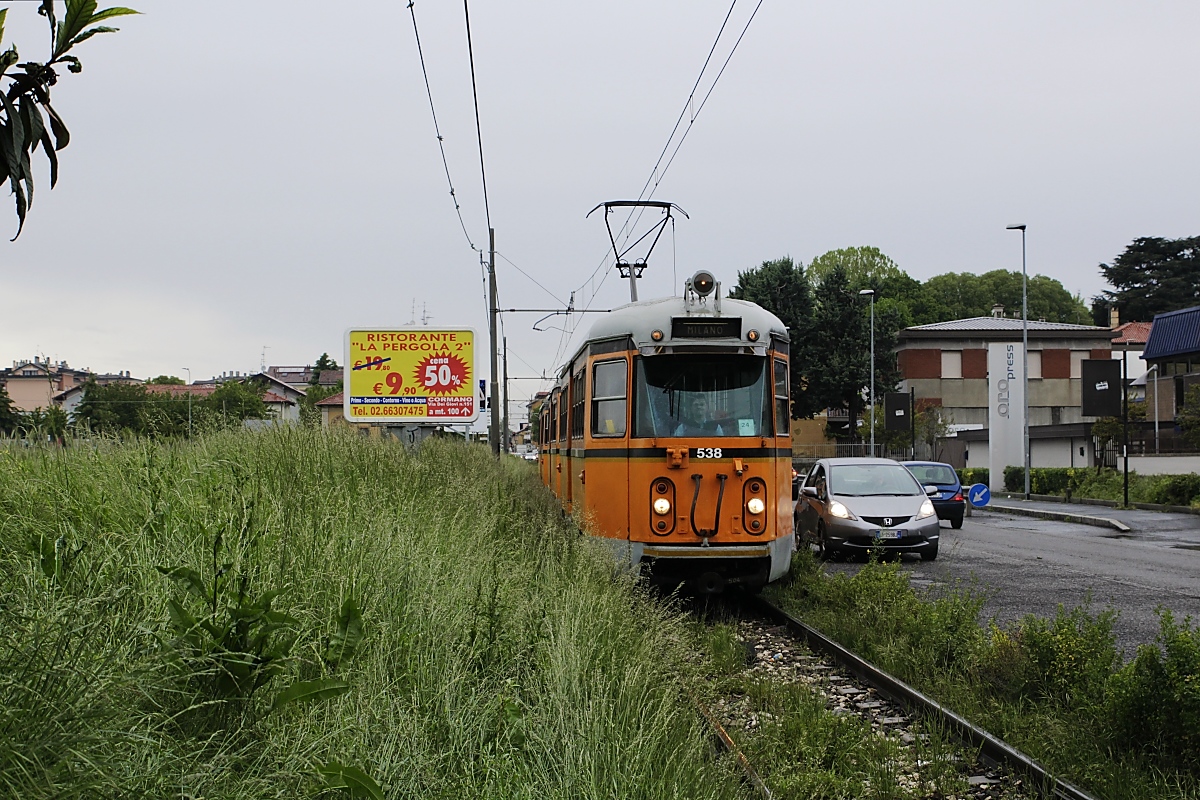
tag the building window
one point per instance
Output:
(1035, 363)
(952, 363)
(1077, 359)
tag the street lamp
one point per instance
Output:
(1154, 369)
(871, 292)
(189, 391)
(1024, 349)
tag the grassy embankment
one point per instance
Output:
(1056, 689)
(439, 630)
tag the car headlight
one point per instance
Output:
(755, 506)
(662, 506)
(926, 510)
(839, 510)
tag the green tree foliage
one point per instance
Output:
(1188, 417)
(839, 346)
(309, 413)
(166, 380)
(23, 128)
(322, 363)
(49, 423)
(781, 287)
(10, 418)
(134, 409)
(963, 295)
(238, 401)
(1153, 276)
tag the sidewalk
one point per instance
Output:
(1119, 519)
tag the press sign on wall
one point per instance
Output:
(410, 375)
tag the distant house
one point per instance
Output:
(33, 384)
(946, 364)
(1173, 351)
(331, 410)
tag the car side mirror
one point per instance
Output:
(795, 492)
(931, 491)
(809, 491)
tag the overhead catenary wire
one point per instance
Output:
(656, 175)
(478, 130)
(437, 129)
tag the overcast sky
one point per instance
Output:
(260, 174)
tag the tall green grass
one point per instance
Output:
(502, 655)
(1057, 689)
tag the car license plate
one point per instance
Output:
(888, 534)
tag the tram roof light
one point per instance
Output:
(703, 283)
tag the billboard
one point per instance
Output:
(410, 375)
(896, 412)
(1006, 410)
(1101, 388)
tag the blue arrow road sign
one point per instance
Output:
(979, 495)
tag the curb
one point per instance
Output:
(1062, 516)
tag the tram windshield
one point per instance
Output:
(701, 395)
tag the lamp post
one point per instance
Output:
(1154, 369)
(1024, 350)
(189, 391)
(871, 292)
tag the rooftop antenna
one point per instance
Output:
(262, 366)
(412, 319)
(634, 271)
(425, 316)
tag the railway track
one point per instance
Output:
(852, 685)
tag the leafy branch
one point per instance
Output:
(22, 126)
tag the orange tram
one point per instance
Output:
(668, 434)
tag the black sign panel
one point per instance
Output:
(706, 327)
(1102, 388)
(896, 411)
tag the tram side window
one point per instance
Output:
(577, 405)
(609, 393)
(562, 416)
(782, 401)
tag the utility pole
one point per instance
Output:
(494, 424)
(505, 406)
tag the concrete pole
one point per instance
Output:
(504, 416)
(494, 424)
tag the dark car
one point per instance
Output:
(948, 502)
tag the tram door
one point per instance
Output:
(607, 446)
(562, 475)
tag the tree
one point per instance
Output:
(309, 413)
(838, 346)
(22, 126)
(931, 424)
(236, 401)
(964, 295)
(1153, 276)
(781, 287)
(165, 380)
(10, 418)
(1188, 417)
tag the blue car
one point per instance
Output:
(948, 502)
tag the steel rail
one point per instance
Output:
(990, 747)
(728, 743)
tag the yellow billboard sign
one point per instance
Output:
(410, 375)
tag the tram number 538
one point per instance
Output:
(708, 452)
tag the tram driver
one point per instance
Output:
(697, 421)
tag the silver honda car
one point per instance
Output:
(857, 504)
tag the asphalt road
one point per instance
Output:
(1025, 566)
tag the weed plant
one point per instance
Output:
(1055, 688)
(296, 613)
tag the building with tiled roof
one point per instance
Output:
(1173, 353)
(945, 364)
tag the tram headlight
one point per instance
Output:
(752, 335)
(756, 506)
(703, 283)
(662, 506)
